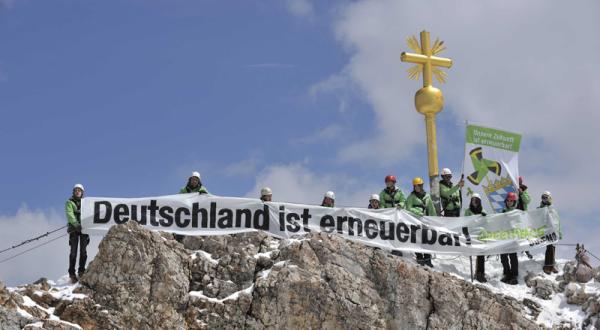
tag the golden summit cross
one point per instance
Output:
(429, 100)
(425, 59)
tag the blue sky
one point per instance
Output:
(129, 97)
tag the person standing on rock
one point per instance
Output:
(374, 202)
(329, 199)
(510, 262)
(419, 203)
(391, 196)
(76, 238)
(549, 262)
(194, 185)
(475, 208)
(450, 194)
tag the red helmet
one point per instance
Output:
(390, 178)
(511, 197)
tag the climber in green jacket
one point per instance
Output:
(510, 262)
(549, 263)
(419, 203)
(524, 198)
(391, 196)
(194, 185)
(76, 238)
(450, 194)
(475, 208)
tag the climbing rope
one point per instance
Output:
(31, 240)
(33, 248)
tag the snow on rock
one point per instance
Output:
(254, 281)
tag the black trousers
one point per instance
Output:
(510, 264)
(77, 239)
(480, 265)
(423, 257)
(549, 257)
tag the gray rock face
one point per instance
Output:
(327, 282)
(141, 274)
(146, 280)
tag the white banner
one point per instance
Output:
(194, 214)
(491, 166)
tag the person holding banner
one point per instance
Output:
(450, 194)
(549, 263)
(524, 198)
(194, 185)
(391, 196)
(475, 208)
(76, 238)
(419, 203)
(266, 194)
(510, 262)
(328, 199)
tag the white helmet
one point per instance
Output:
(446, 171)
(476, 195)
(330, 194)
(266, 191)
(374, 197)
(196, 174)
(547, 193)
(79, 185)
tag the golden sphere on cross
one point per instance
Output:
(429, 100)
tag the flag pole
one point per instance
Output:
(462, 176)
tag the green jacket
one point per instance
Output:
(396, 198)
(450, 196)
(72, 209)
(508, 209)
(524, 200)
(199, 189)
(468, 212)
(420, 206)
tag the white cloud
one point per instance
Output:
(51, 260)
(522, 66)
(295, 183)
(327, 133)
(244, 168)
(300, 8)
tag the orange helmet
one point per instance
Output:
(390, 178)
(511, 197)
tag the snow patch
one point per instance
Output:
(233, 296)
(206, 256)
(554, 310)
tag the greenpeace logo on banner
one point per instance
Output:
(193, 214)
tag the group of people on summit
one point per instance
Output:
(418, 202)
